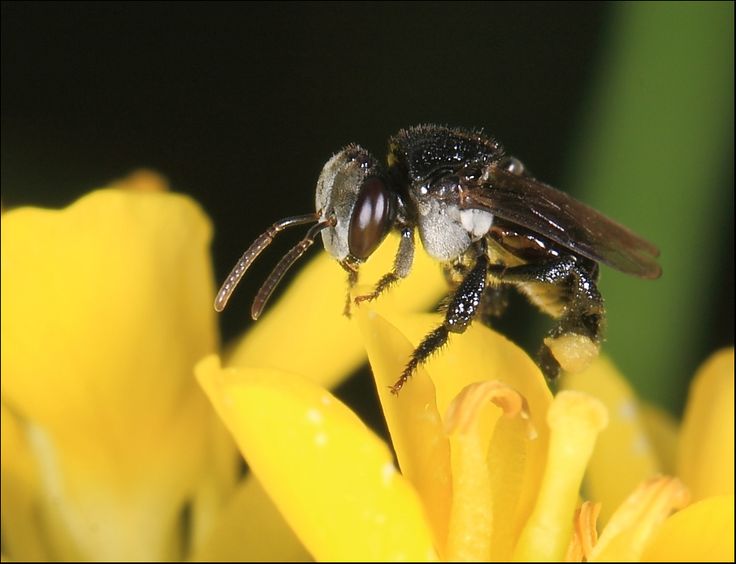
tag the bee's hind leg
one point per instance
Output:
(461, 310)
(575, 339)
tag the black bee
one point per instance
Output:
(484, 217)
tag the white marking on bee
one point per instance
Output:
(476, 222)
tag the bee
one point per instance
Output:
(484, 217)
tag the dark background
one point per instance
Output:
(239, 105)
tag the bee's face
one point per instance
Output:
(352, 190)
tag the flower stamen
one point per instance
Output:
(470, 427)
(574, 420)
(585, 533)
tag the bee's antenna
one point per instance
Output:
(284, 264)
(256, 248)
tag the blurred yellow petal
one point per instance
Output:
(332, 479)
(631, 526)
(702, 532)
(314, 303)
(575, 419)
(142, 180)
(106, 306)
(624, 455)
(21, 490)
(216, 485)
(663, 432)
(251, 529)
(706, 455)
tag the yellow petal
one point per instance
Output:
(706, 455)
(516, 458)
(476, 355)
(332, 479)
(325, 343)
(414, 416)
(417, 434)
(251, 529)
(142, 180)
(631, 526)
(663, 432)
(702, 532)
(624, 455)
(21, 490)
(216, 486)
(106, 307)
(470, 427)
(574, 419)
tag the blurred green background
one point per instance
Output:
(627, 106)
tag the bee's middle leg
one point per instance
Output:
(463, 306)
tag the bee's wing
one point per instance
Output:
(553, 214)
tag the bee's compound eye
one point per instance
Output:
(513, 165)
(371, 218)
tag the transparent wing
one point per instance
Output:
(555, 215)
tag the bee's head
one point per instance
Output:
(355, 210)
(353, 195)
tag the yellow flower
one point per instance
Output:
(490, 464)
(110, 450)
(642, 441)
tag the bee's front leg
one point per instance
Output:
(352, 270)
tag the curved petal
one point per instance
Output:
(312, 309)
(479, 443)
(706, 455)
(106, 307)
(481, 354)
(332, 479)
(631, 526)
(702, 532)
(415, 418)
(415, 425)
(624, 455)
